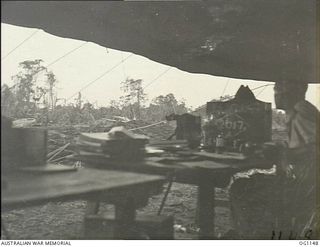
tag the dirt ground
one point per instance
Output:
(65, 220)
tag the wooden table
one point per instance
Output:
(127, 191)
(208, 175)
(201, 170)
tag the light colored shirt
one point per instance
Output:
(302, 125)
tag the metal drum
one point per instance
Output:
(25, 147)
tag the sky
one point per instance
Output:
(97, 71)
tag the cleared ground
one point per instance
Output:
(65, 220)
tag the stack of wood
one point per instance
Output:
(117, 144)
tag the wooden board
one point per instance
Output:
(205, 164)
(23, 189)
(49, 168)
(222, 156)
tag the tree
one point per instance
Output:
(25, 79)
(51, 81)
(134, 97)
(87, 112)
(27, 91)
(164, 105)
(114, 109)
(170, 104)
(79, 101)
(8, 101)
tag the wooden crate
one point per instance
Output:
(146, 227)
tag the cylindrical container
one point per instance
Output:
(35, 140)
(26, 147)
(247, 149)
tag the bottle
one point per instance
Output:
(248, 148)
(219, 144)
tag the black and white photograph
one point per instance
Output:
(160, 120)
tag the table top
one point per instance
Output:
(190, 167)
(25, 188)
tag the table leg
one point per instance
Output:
(165, 195)
(92, 207)
(206, 195)
(125, 217)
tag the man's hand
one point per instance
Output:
(284, 168)
(277, 152)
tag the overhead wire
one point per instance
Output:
(123, 69)
(59, 58)
(56, 60)
(73, 50)
(99, 77)
(147, 126)
(225, 87)
(155, 79)
(20, 44)
(264, 86)
(260, 91)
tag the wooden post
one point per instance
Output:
(125, 214)
(206, 196)
(92, 207)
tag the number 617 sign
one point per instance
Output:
(248, 121)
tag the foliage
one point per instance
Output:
(8, 101)
(27, 95)
(26, 78)
(278, 119)
(24, 97)
(165, 105)
(223, 98)
(51, 82)
(134, 97)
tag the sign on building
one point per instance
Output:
(242, 119)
